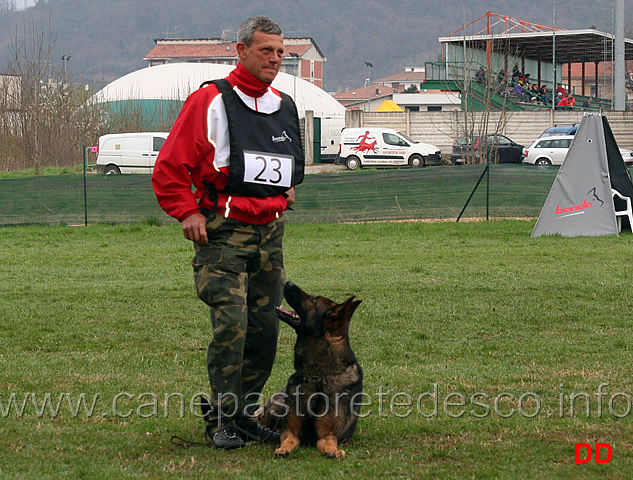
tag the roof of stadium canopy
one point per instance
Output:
(536, 41)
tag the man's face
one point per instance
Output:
(263, 57)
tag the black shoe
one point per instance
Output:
(254, 432)
(228, 438)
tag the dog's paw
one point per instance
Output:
(288, 444)
(281, 452)
(339, 454)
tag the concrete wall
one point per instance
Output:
(441, 128)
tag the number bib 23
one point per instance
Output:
(272, 169)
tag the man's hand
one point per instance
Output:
(194, 228)
(290, 196)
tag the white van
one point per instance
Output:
(129, 152)
(331, 128)
(374, 146)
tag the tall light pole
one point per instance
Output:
(65, 60)
(369, 65)
(366, 84)
(554, 96)
(619, 98)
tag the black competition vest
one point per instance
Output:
(266, 151)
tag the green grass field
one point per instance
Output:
(487, 353)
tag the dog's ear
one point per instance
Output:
(350, 306)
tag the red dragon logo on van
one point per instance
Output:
(366, 144)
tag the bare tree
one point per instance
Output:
(43, 118)
(7, 6)
(484, 86)
(30, 61)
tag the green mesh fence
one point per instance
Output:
(60, 200)
(429, 193)
(373, 195)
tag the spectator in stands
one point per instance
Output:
(545, 98)
(501, 85)
(534, 91)
(587, 103)
(571, 100)
(521, 92)
(560, 89)
(480, 76)
(516, 74)
(563, 103)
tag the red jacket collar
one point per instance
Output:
(247, 82)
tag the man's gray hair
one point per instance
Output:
(258, 23)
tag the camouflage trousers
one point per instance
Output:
(240, 275)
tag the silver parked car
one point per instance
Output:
(552, 150)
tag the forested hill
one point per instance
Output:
(108, 38)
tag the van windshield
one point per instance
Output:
(407, 138)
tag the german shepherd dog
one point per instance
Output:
(321, 402)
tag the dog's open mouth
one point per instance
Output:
(291, 318)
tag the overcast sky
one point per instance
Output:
(22, 4)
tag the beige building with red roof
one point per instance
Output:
(303, 57)
(392, 87)
(411, 77)
(366, 98)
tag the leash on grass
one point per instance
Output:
(184, 443)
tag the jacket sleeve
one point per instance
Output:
(185, 147)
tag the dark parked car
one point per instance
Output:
(500, 149)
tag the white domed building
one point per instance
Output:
(173, 82)
(157, 93)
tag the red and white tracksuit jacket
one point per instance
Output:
(197, 149)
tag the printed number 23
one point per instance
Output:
(276, 168)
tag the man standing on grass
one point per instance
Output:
(238, 141)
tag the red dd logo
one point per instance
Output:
(586, 456)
